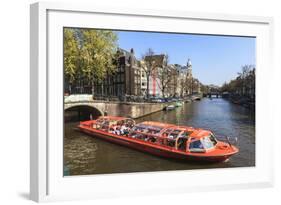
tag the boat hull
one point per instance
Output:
(152, 149)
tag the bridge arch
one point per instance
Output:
(80, 112)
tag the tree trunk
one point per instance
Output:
(108, 94)
(147, 85)
(69, 89)
(102, 94)
(80, 85)
(163, 92)
(93, 89)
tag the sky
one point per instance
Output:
(215, 59)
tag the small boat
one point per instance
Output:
(170, 107)
(178, 104)
(160, 139)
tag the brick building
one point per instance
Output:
(126, 80)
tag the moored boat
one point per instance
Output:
(170, 107)
(161, 139)
(178, 104)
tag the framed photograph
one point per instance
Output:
(131, 102)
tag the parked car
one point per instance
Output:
(156, 100)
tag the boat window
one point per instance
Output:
(176, 132)
(105, 125)
(213, 139)
(149, 138)
(196, 146)
(171, 143)
(168, 131)
(207, 142)
(143, 136)
(100, 121)
(181, 144)
(173, 135)
(185, 134)
(136, 136)
(138, 129)
(130, 123)
(147, 129)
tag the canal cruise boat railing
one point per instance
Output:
(161, 139)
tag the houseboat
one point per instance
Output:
(160, 139)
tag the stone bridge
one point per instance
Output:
(99, 106)
(133, 110)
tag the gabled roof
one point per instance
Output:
(127, 55)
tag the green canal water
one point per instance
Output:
(86, 155)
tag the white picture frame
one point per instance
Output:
(46, 170)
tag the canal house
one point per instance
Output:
(125, 81)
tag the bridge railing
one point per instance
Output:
(78, 98)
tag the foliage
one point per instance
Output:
(165, 74)
(71, 54)
(244, 83)
(97, 53)
(186, 84)
(89, 54)
(148, 65)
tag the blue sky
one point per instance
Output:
(215, 59)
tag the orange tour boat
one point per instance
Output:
(161, 139)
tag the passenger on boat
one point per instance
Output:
(117, 130)
(181, 144)
(112, 129)
(136, 136)
(133, 136)
(146, 138)
(151, 139)
(124, 130)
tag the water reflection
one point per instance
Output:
(84, 154)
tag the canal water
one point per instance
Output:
(85, 155)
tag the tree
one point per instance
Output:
(165, 75)
(241, 78)
(182, 87)
(243, 84)
(98, 49)
(71, 55)
(148, 65)
(188, 86)
(204, 89)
